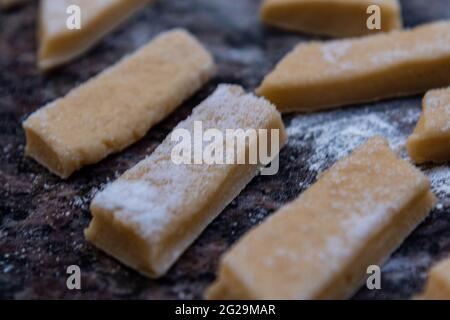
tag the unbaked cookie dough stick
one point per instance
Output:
(438, 284)
(337, 18)
(320, 245)
(321, 75)
(150, 215)
(118, 107)
(58, 44)
(430, 141)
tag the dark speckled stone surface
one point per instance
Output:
(42, 218)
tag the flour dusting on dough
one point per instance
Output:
(335, 134)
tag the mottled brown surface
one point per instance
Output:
(42, 217)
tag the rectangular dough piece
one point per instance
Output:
(150, 215)
(118, 107)
(430, 141)
(336, 18)
(322, 75)
(438, 284)
(320, 245)
(58, 44)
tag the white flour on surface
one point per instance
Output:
(440, 180)
(334, 138)
(330, 136)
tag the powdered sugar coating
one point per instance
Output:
(157, 191)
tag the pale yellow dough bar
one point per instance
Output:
(438, 284)
(118, 107)
(58, 44)
(150, 215)
(322, 75)
(430, 141)
(336, 18)
(320, 245)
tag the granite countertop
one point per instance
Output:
(42, 217)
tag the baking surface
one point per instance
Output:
(42, 218)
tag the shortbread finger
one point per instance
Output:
(150, 215)
(430, 141)
(438, 284)
(337, 18)
(320, 245)
(118, 107)
(321, 75)
(59, 44)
